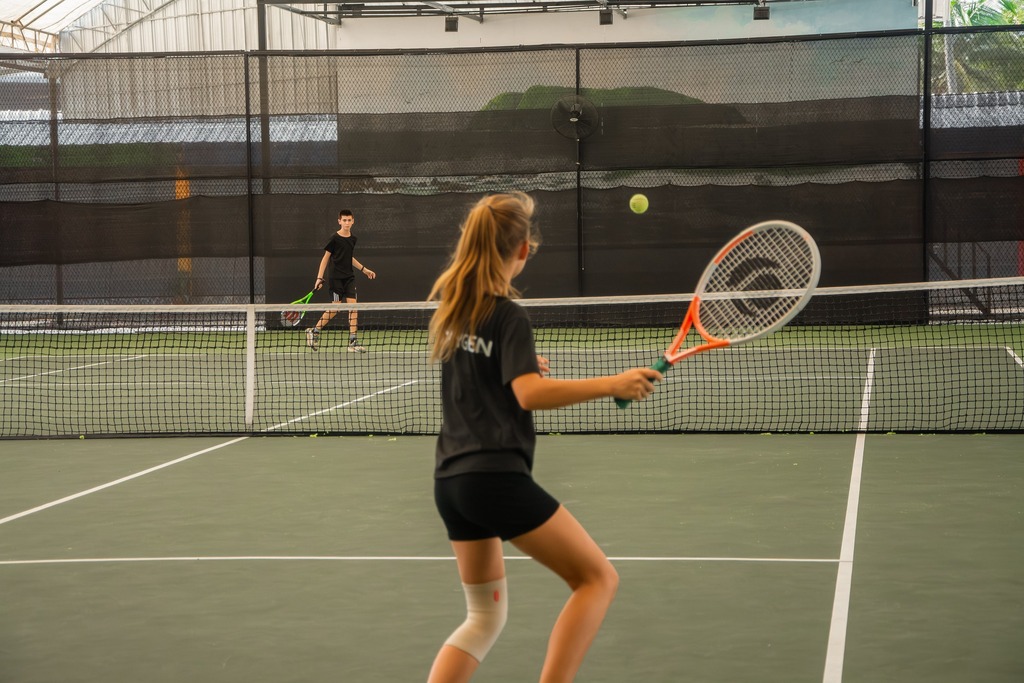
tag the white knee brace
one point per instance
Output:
(487, 612)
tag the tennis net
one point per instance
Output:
(900, 358)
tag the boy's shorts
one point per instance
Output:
(344, 290)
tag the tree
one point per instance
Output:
(981, 62)
(986, 12)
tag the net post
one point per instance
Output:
(250, 363)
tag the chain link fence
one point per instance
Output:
(975, 188)
(217, 178)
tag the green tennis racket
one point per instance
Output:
(291, 317)
(753, 286)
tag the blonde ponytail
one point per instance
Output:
(494, 230)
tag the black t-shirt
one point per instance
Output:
(484, 429)
(341, 249)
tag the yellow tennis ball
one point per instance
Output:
(638, 203)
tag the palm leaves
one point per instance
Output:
(986, 12)
(984, 61)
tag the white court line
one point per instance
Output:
(139, 383)
(340, 405)
(844, 580)
(1016, 358)
(80, 494)
(68, 370)
(118, 481)
(383, 558)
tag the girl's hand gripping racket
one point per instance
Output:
(753, 286)
(291, 318)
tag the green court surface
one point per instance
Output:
(760, 558)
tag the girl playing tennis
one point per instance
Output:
(491, 378)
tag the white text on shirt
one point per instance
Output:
(475, 344)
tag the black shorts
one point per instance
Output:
(344, 289)
(484, 505)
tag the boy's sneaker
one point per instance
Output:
(355, 347)
(313, 338)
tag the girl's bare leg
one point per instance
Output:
(565, 547)
(479, 562)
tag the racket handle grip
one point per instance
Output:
(661, 366)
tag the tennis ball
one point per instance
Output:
(638, 203)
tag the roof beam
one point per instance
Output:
(137, 11)
(334, 16)
(19, 37)
(334, 12)
(329, 17)
(475, 16)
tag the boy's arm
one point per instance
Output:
(363, 269)
(323, 268)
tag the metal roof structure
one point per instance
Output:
(33, 25)
(36, 25)
(476, 9)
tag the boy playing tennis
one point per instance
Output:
(339, 253)
(491, 378)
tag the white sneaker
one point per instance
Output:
(313, 338)
(356, 347)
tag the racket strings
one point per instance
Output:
(761, 281)
(292, 317)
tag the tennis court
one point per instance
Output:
(742, 558)
(841, 501)
(190, 493)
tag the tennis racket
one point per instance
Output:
(291, 318)
(753, 286)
